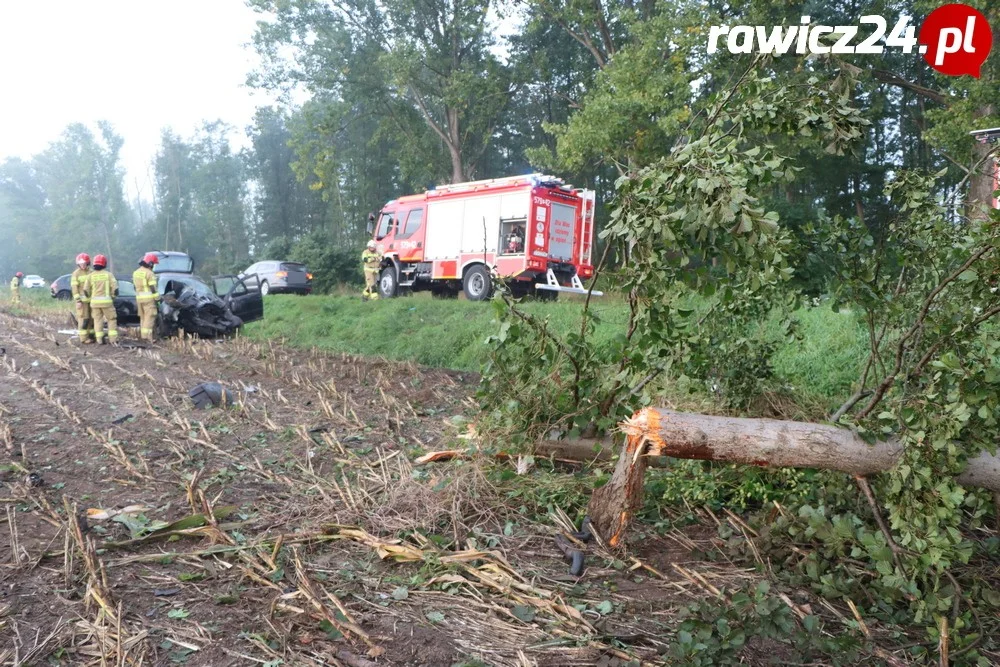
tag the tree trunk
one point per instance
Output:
(981, 180)
(455, 147)
(762, 442)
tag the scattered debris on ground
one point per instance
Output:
(291, 526)
(211, 394)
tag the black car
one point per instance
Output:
(60, 288)
(191, 305)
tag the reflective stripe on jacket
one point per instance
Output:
(101, 287)
(145, 284)
(370, 260)
(76, 282)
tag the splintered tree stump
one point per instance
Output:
(612, 506)
(653, 432)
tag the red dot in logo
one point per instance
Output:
(956, 39)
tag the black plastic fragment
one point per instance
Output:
(572, 555)
(211, 394)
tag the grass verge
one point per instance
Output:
(823, 363)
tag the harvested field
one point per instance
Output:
(290, 528)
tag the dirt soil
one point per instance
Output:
(308, 536)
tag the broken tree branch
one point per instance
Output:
(761, 442)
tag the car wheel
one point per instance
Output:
(265, 288)
(388, 286)
(478, 285)
(64, 295)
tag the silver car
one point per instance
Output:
(274, 277)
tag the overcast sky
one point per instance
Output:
(141, 64)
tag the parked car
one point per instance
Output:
(60, 288)
(33, 281)
(274, 277)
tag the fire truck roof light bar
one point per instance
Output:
(534, 179)
(552, 284)
(991, 134)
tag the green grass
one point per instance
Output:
(452, 333)
(823, 363)
(38, 297)
(434, 332)
(827, 359)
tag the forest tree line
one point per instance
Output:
(407, 94)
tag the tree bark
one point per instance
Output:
(763, 442)
(981, 179)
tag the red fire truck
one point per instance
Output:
(535, 232)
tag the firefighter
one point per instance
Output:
(146, 296)
(84, 323)
(102, 288)
(370, 261)
(15, 288)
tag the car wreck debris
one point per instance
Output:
(200, 314)
(211, 394)
(571, 553)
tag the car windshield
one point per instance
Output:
(293, 268)
(174, 264)
(125, 288)
(34, 277)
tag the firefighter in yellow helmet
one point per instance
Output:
(146, 296)
(370, 261)
(84, 323)
(15, 288)
(102, 288)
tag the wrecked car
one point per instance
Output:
(190, 305)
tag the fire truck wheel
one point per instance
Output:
(388, 286)
(477, 284)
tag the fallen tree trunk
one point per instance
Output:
(763, 442)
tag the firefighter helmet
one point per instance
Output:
(20, 275)
(83, 258)
(100, 262)
(151, 258)
(371, 245)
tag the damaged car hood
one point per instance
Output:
(197, 313)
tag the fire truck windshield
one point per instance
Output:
(384, 226)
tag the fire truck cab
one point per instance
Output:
(534, 232)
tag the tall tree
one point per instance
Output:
(429, 61)
(82, 178)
